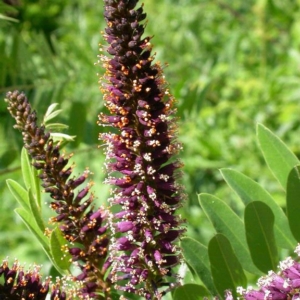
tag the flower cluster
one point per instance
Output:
(79, 222)
(19, 284)
(283, 285)
(140, 155)
(136, 246)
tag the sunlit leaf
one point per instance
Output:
(225, 221)
(6, 18)
(62, 136)
(35, 210)
(30, 176)
(190, 292)
(293, 201)
(226, 269)
(33, 227)
(19, 193)
(196, 256)
(51, 112)
(61, 258)
(249, 190)
(52, 115)
(26, 168)
(56, 126)
(259, 222)
(278, 156)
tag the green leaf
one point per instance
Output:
(37, 187)
(30, 176)
(225, 221)
(26, 168)
(196, 256)
(277, 155)
(259, 221)
(35, 210)
(226, 269)
(249, 190)
(29, 221)
(60, 257)
(293, 201)
(6, 18)
(51, 112)
(53, 247)
(56, 126)
(190, 292)
(62, 136)
(19, 193)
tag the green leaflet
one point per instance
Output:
(19, 193)
(226, 269)
(249, 190)
(190, 292)
(61, 259)
(34, 228)
(196, 256)
(259, 221)
(51, 113)
(293, 201)
(225, 221)
(277, 155)
(30, 176)
(35, 210)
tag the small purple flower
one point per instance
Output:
(141, 155)
(283, 285)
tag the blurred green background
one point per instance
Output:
(231, 64)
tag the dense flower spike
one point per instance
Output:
(140, 155)
(19, 284)
(79, 222)
(283, 285)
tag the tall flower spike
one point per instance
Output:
(82, 227)
(141, 156)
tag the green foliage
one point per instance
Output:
(61, 259)
(226, 78)
(248, 191)
(278, 157)
(219, 213)
(292, 201)
(30, 211)
(259, 223)
(255, 243)
(190, 292)
(196, 256)
(226, 270)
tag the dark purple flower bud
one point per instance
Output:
(75, 251)
(125, 226)
(18, 282)
(61, 217)
(78, 181)
(124, 244)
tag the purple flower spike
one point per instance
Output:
(78, 220)
(140, 154)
